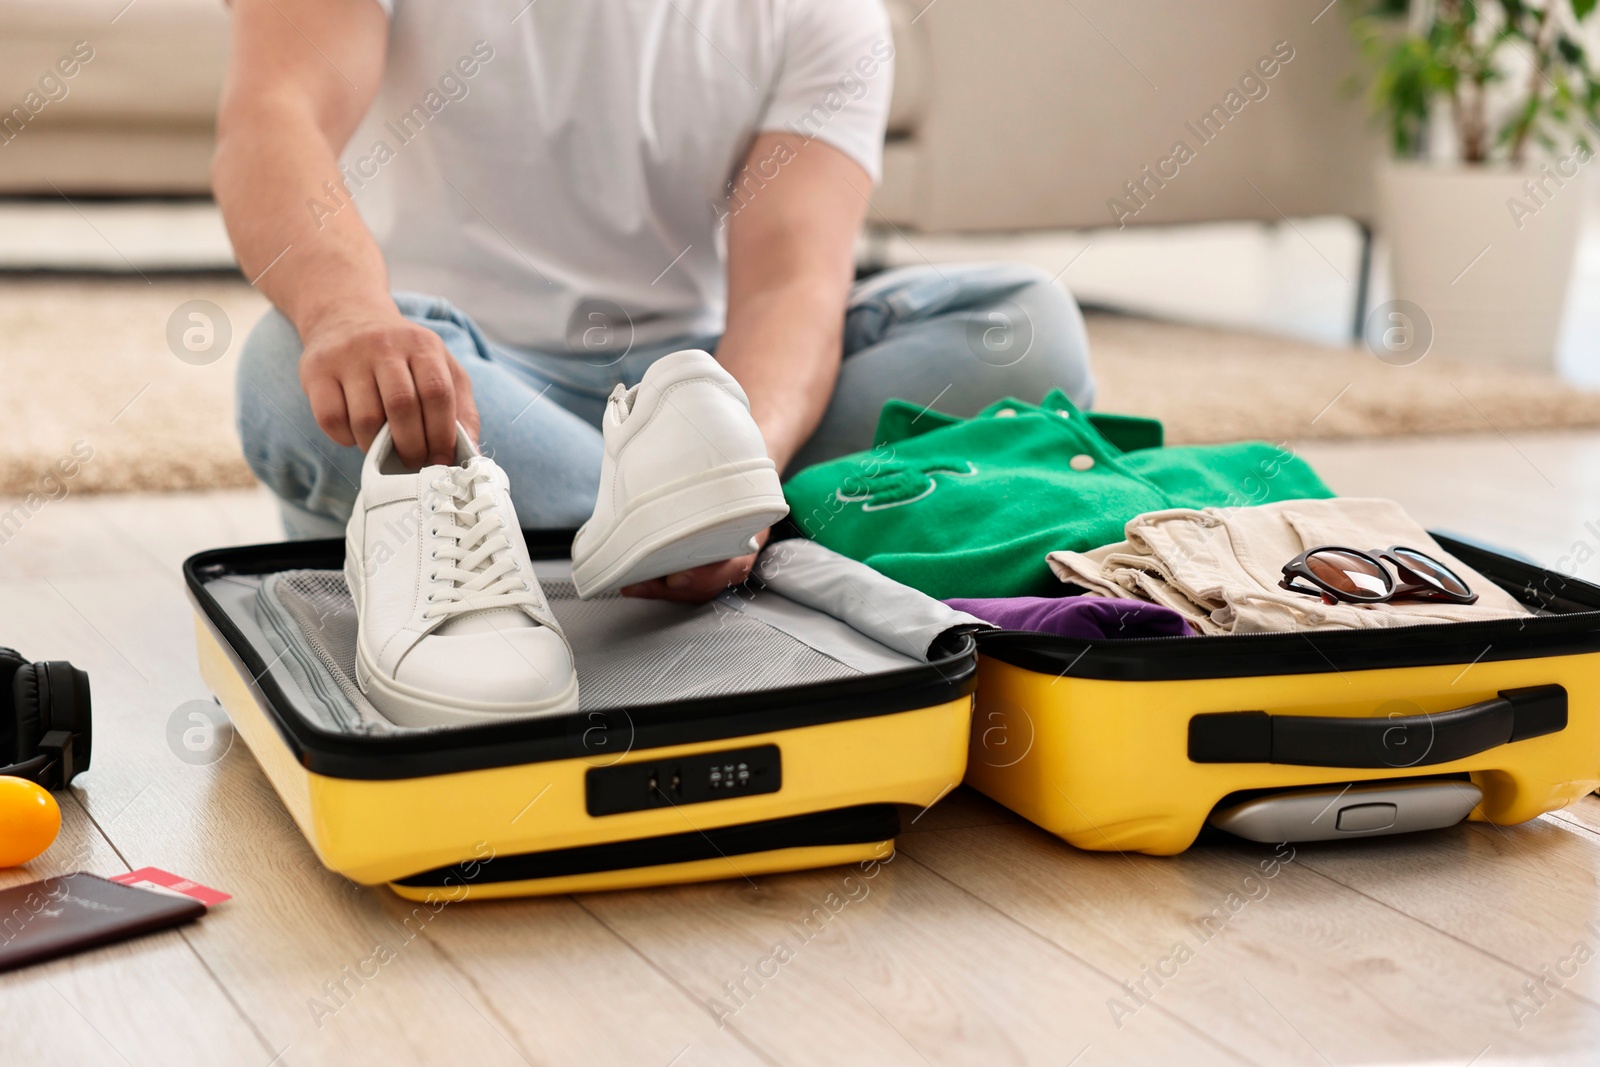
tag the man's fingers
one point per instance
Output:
(327, 405)
(403, 409)
(436, 392)
(658, 589)
(695, 586)
(365, 409)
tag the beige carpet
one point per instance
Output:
(1216, 385)
(86, 360)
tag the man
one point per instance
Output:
(559, 192)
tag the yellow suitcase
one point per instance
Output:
(1135, 745)
(799, 758)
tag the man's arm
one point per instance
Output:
(301, 74)
(791, 262)
(791, 256)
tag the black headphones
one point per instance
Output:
(44, 720)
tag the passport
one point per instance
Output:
(71, 912)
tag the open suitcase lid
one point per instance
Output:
(1569, 623)
(948, 673)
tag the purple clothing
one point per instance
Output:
(1086, 617)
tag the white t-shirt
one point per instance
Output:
(561, 170)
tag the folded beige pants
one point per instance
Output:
(1220, 567)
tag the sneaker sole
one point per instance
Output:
(707, 521)
(404, 705)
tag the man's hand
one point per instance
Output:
(286, 113)
(700, 584)
(363, 372)
(790, 265)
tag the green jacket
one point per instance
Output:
(968, 507)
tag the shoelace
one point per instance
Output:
(474, 555)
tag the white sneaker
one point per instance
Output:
(452, 627)
(685, 480)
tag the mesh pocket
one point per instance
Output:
(325, 624)
(628, 651)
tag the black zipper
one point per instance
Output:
(865, 824)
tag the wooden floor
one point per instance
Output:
(983, 941)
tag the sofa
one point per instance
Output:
(1007, 114)
(137, 117)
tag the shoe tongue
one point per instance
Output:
(466, 451)
(482, 622)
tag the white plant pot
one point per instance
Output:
(1486, 259)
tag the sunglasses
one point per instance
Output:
(1346, 574)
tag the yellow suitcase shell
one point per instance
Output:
(1092, 742)
(503, 810)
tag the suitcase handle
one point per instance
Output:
(1370, 743)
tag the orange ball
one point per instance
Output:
(30, 819)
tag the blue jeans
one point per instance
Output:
(956, 338)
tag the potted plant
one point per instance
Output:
(1491, 108)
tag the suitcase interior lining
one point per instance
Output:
(629, 653)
